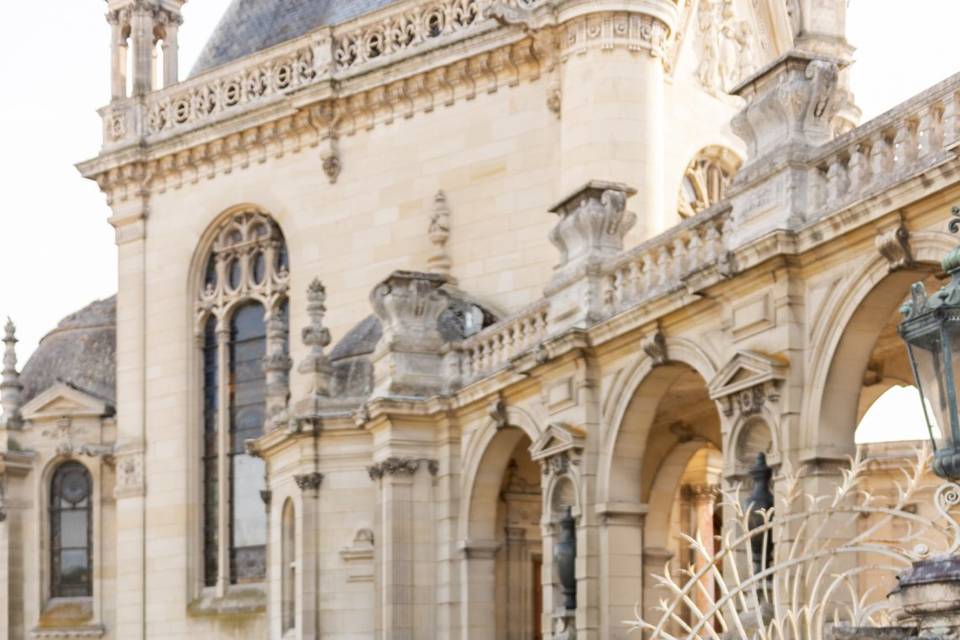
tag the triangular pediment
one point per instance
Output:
(557, 438)
(64, 400)
(745, 370)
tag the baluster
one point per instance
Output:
(951, 119)
(930, 131)
(711, 251)
(663, 268)
(904, 145)
(880, 157)
(649, 273)
(611, 292)
(858, 173)
(694, 250)
(679, 258)
(633, 282)
(836, 181)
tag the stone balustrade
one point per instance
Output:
(904, 141)
(337, 53)
(494, 347)
(664, 262)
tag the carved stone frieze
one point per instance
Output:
(309, 481)
(726, 46)
(619, 29)
(401, 466)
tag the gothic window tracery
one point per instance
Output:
(706, 179)
(71, 549)
(243, 330)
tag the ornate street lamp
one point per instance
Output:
(931, 329)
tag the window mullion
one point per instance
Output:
(223, 460)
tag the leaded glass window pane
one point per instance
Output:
(209, 462)
(248, 518)
(71, 556)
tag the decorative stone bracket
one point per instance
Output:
(893, 243)
(747, 382)
(408, 360)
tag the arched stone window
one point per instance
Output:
(706, 179)
(243, 335)
(288, 558)
(71, 547)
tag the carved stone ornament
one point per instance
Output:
(792, 102)
(331, 161)
(317, 363)
(655, 346)
(408, 360)
(439, 233)
(593, 223)
(726, 46)
(11, 389)
(893, 243)
(498, 413)
(401, 466)
(745, 384)
(267, 496)
(130, 479)
(309, 481)
(507, 14)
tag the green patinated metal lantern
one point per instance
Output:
(931, 329)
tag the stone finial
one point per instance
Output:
(408, 360)
(317, 363)
(439, 231)
(10, 387)
(792, 101)
(593, 223)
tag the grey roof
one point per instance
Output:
(249, 26)
(80, 352)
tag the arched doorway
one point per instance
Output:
(503, 546)
(669, 435)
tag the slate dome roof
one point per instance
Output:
(249, 26)
(80, 351)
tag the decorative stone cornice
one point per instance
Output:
(401, 466)
(634, 31)
(747, 382)
(309, 481)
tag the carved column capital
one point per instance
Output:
(309, 481)
(401, 466)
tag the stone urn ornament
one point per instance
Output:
(564, 559)
(760, 501)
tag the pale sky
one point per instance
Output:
(56, 249)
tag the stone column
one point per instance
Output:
(655, 561)
(118, 49)
(129, 220)
(612, 106)
(479, 585)
(621, 557)
(171, 53)
(703, 498)
(142, 40)
(406, 591)
(308, 554)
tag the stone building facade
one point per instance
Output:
(402, 281)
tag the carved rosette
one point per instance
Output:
(792, 102)
(395, 466)
(309, 481)
(593, 223)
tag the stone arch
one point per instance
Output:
(843, 339)
(665, 486)
(639, 391)
(749, 436)
(705, 178)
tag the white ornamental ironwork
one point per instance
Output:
(833, 561)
